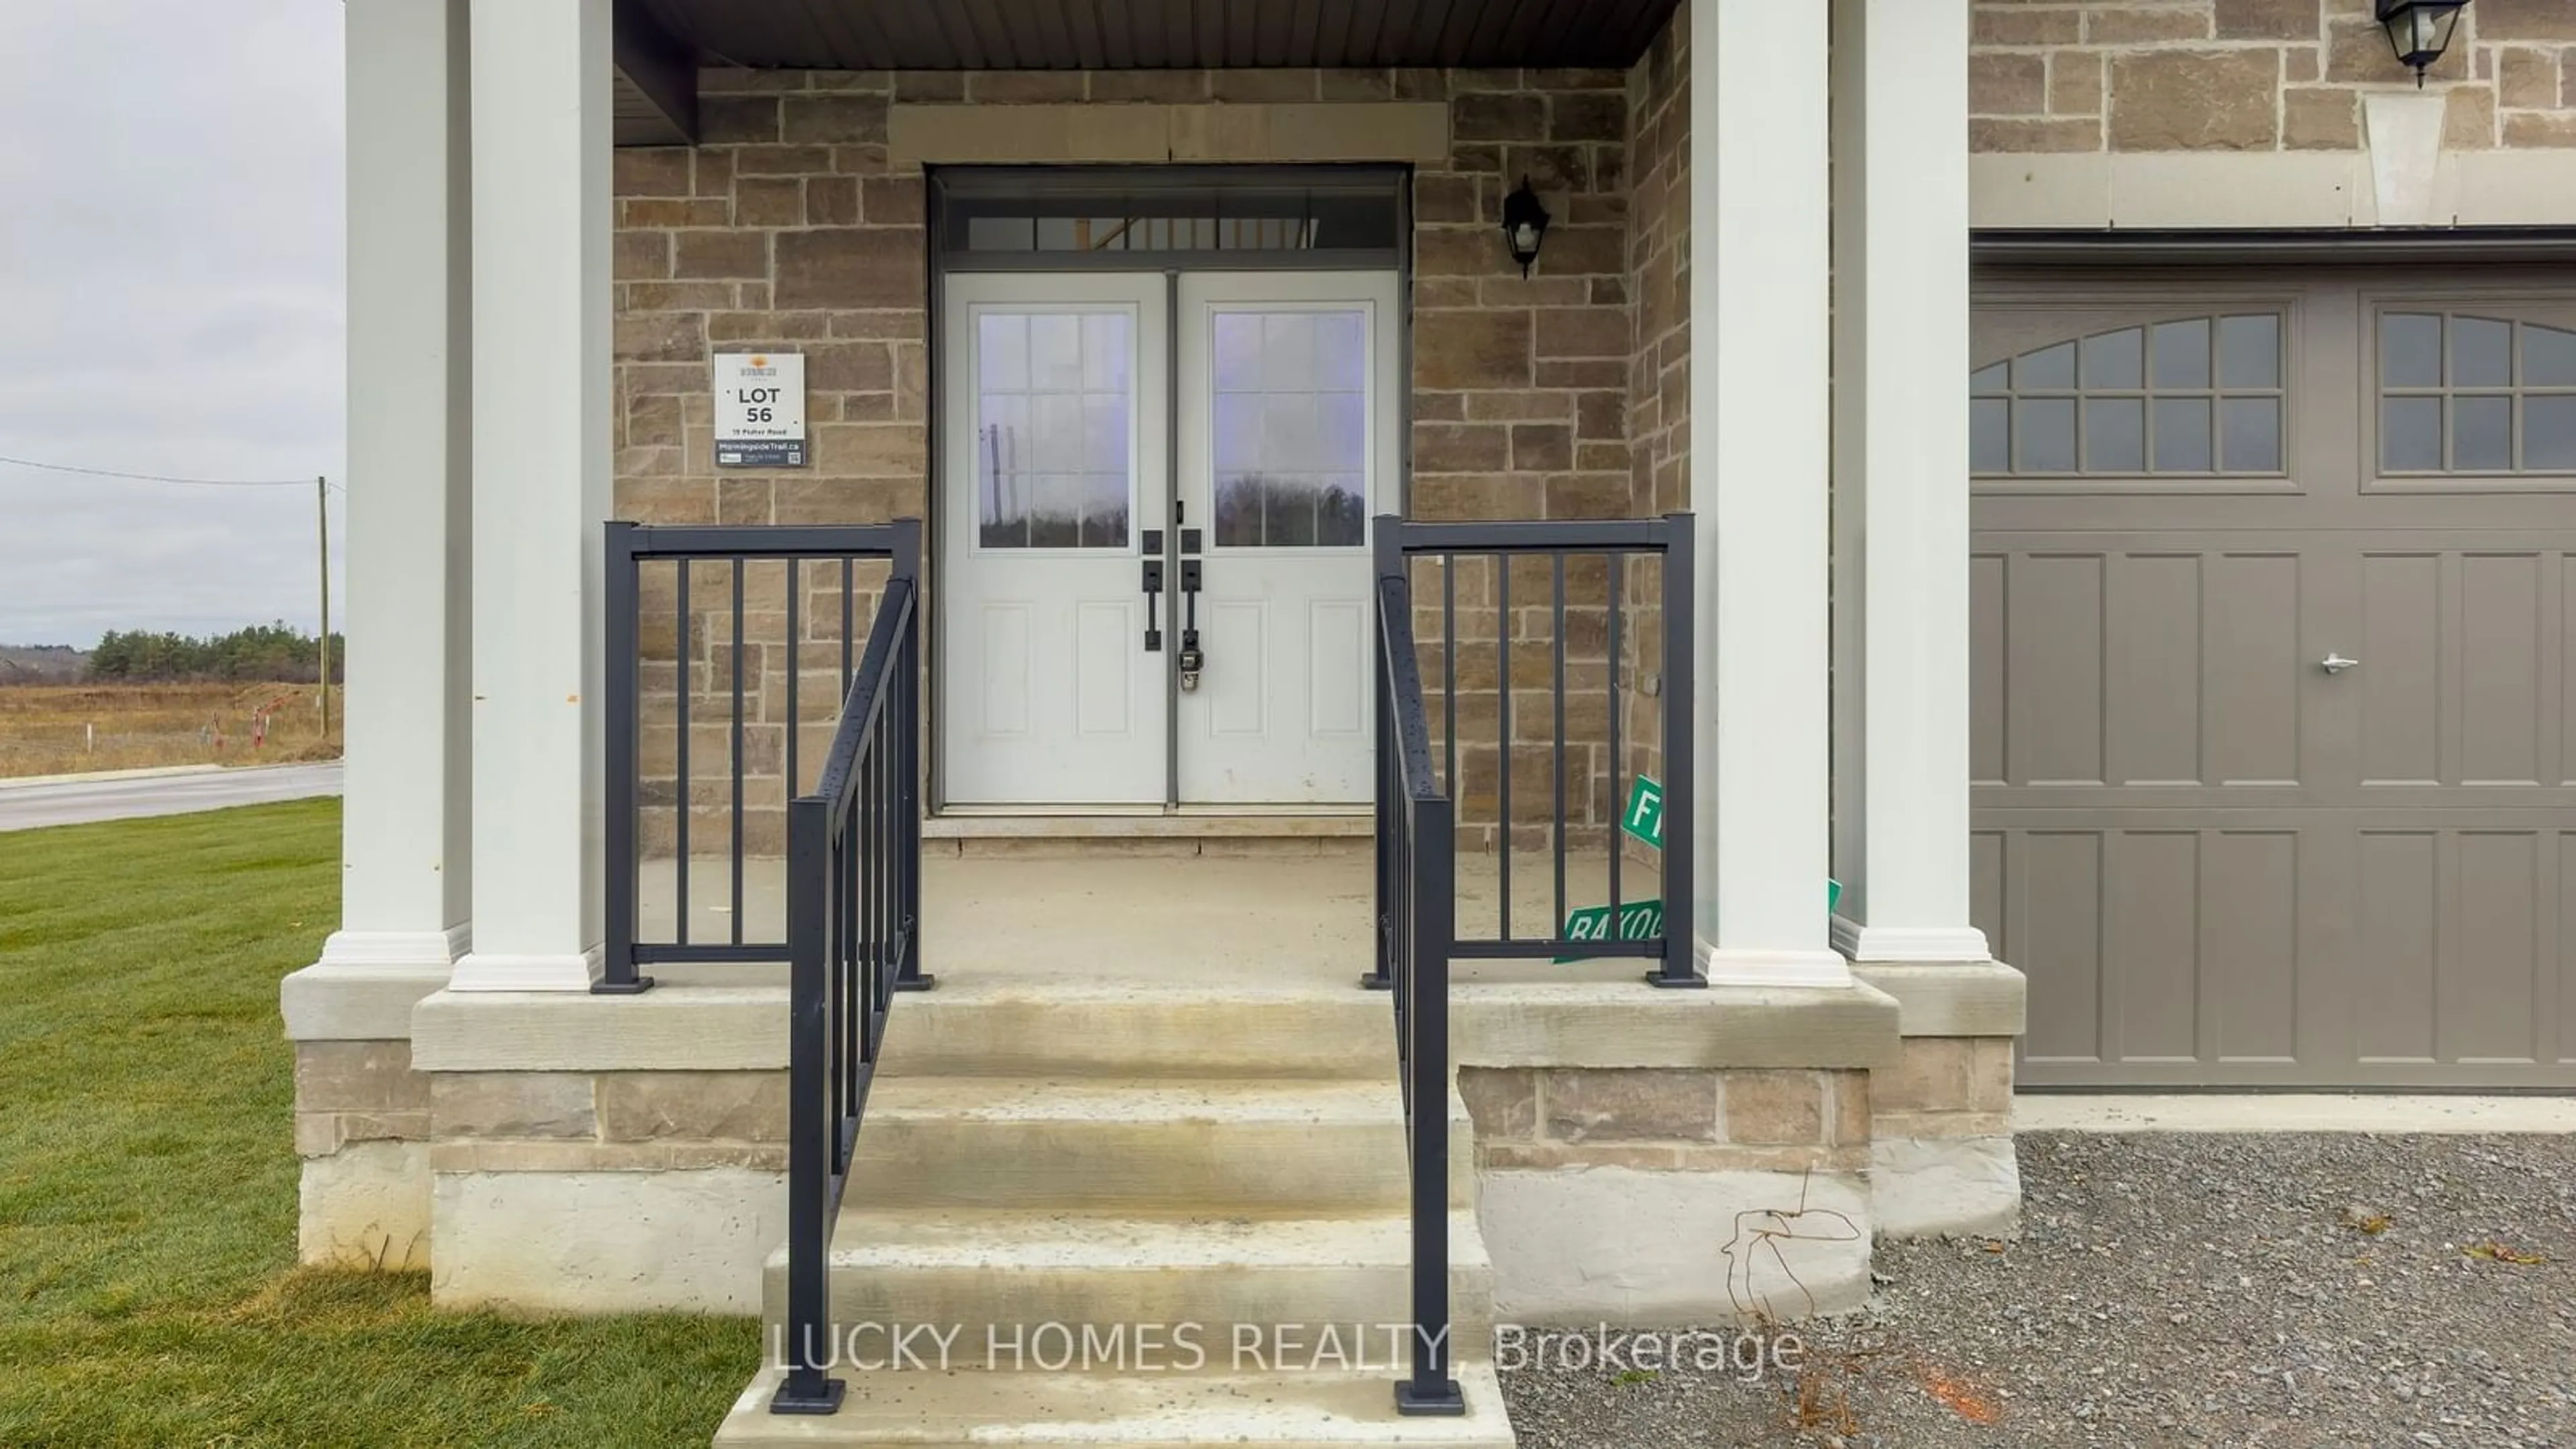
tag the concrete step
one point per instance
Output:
(982, 1024)
(1256, 1147)
(977, 1409)
(982, 1282)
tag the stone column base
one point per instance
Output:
(361, 1110)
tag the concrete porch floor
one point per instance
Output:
(1239, 914)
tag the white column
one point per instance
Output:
(1901, 480)
(405, 846)
(541, 488)
(1760, 414)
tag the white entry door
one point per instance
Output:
(1287, 449)
(1055, 462)
(1059, 482)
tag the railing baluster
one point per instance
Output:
(1558, 582)
(1503, 713)
(1618, 803)
(741, 565)
(795, 724)
(1449, 670)
(688, 682)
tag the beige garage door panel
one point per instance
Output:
(2222, 863)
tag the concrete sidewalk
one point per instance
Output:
(134, 794)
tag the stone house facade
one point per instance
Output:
(1795, 257)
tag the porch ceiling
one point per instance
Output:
(1159, 34)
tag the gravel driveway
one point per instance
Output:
(2200, 1290)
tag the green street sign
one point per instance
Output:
(1638, 921)
(1644, 817)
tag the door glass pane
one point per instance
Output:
(1341, 515)
(2182, 435)
(2481, 434)
(1987, 381)
(2481, 352)
(2410, 435)
(1289, 428)
(2249, 435)
(1989, 435)
(2115, 435)
(2113, 360)
(1054, 429)
(2549, 434)
(2548, 357)
(2047, 427)
(2182, 354)
(2410, 350)
(2249, 351)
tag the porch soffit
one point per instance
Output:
(1158, 34)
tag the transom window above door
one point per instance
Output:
(2475, 395)
(2194, 395)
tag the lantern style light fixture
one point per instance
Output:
(2420, 30)
(1524, 225)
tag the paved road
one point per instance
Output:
(70, 802)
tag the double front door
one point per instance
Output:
(1155, 495)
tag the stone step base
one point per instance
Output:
(1141, 1026)
(1258, 1147)
(976, 1409)
(984, 1281)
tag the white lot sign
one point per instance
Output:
(760, 409)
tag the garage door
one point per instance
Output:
(2275, 598)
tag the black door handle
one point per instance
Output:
(1153, 589)
(1193, 660)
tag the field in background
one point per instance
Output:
(48, 729)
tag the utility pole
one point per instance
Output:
(322, 530)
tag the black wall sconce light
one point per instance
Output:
(2420, 30)
(1524, 225)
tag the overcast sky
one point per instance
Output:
(170, 302)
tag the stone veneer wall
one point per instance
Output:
(362, 1126)
(1585, 1173)
(793, 227)
(568, 1184)
(2254, 75)
(1941, 1147)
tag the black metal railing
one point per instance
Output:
(853, 941)
(1418, 832)
(1620, 559)
(746, 687)
(1416, 901)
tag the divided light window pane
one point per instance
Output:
(2182, 353)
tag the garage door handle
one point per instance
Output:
(2336, 663)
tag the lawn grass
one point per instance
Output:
(149, 1293)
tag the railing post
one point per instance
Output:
(1387, 548)
(1679, 968)
(1431, 1389)
(808, 1350)
(625, 700)
(906, 567)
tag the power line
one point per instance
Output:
(159, 477)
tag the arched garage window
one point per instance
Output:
(2198, 395)
(2484, 395)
